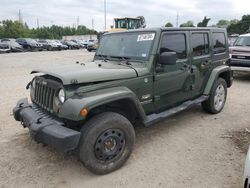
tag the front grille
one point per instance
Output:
(44, 94)
(241, 57)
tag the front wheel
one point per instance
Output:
(217, 98)
(30, 48)
(106, 142)
(50, 48)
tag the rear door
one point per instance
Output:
(201, 58)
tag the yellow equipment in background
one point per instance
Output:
(127, 23)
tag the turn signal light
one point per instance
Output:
(84, 112)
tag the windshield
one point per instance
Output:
(134, 45)
(243, 41)
(133, 24)
(122, 23)
(31, 40)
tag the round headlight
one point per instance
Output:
(33, 84)
(61, 95)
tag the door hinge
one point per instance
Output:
(192, 87)
(157, 97)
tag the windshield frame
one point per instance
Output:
(130, 58)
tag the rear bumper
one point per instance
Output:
(44, 128)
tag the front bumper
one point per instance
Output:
(4, 50)
(239, 62)
(44, 128)
(16, 49)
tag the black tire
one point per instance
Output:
(99, 133)
(50, 48)
(209, 105)
(30, 49)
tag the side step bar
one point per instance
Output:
(155, 118)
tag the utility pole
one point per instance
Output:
(37, 22)
(177, 20)
(93, 22)
(77, 22)
(20, 16)
(105, 15)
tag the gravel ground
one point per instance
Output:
(190, 149)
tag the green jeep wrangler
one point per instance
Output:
(137, 77)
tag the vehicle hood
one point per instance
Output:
(15, 45)
(239, 49)
(93, 72)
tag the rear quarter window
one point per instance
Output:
(200, 44)
(219, 42)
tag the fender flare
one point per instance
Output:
(214, 75)
(90, 100)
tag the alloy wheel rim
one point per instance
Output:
(219, 98)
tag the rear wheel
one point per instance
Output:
(217, 98)
(106, 143)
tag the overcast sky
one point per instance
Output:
(156, 12)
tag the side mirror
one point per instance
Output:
(168, 58)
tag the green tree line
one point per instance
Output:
(15, 29)
(233, 26)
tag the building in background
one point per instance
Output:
(82, 37)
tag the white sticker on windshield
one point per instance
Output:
(146, 37)
(144, 55)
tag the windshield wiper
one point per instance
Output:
(126, 59)
(103, 57)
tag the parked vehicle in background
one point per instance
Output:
(92, 45)
(13, 45)
(30, 44)
(240, 53)
(4, 48)
(85, 43)
(61, 45)
(71, 44)
(136, 77)
(79, 42)
(49, 45)
(128, 23)
(232, 39)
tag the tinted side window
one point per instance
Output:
(219, 42)
(174, 43)
(200, 44)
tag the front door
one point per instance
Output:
(172, 85)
